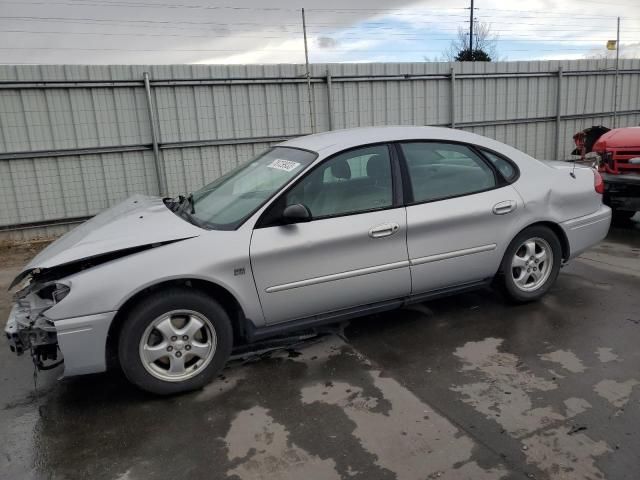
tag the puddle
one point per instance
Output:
(407, 438)
(506, 393)
(503, 395)
(261, 449)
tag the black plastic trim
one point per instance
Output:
(259, 333)
(254, 333)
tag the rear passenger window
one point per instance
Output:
(443, 170)
(504, 167)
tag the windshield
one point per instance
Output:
(228, 201)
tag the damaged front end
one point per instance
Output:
(28, 328)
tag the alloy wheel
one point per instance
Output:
(178, 345)
(532, 264)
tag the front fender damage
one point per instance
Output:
(28, 329)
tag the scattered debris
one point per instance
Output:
(576, 429)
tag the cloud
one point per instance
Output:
(326, 42)
(250, 31)
(627, 50)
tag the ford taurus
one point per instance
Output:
(315, 230)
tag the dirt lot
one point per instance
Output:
(464, 387)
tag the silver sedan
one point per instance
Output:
(315, 230)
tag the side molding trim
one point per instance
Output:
(337, 276)
(379, 268)
(455, 253)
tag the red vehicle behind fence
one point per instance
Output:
(616, 155)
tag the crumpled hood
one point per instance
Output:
(138, 221)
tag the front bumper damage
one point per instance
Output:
(27, 330)
(79, 341)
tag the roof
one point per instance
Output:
(336, 140)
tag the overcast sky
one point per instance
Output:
(259, 31)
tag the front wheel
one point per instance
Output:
(175, 341)
(531, 264)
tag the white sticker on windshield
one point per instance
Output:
(286, 165)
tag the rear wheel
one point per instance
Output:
(531, 264)
(174, 341)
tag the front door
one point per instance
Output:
(352, 253)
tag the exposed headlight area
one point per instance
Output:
(28, 327)
(54, 292)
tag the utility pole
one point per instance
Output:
(471, 31)
(615, 87)
(306, 61)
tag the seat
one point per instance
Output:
(327, 201)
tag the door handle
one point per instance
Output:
(383, 230)
(502, 208)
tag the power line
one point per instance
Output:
(381, 37)
(147, 5)
(228, 24)
(355, 11)
(91, 49)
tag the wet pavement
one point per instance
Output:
(462, 387)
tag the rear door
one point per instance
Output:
(352, 253)
(459, 209)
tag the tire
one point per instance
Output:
(174, 341)
(539, 275)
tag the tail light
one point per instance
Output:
(598, 183)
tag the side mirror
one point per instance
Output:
(296, 213)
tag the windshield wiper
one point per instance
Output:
(184, 208)
(188, 203)
(183, 204)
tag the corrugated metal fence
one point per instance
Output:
(77, 139)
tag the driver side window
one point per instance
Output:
(354, 181)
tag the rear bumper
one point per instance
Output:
(587, 231)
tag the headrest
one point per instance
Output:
(377, 166)
(341, 169)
